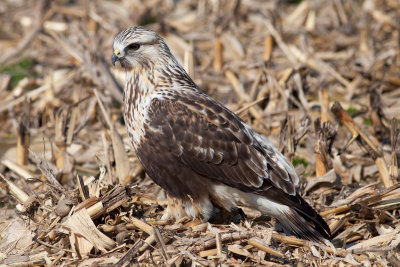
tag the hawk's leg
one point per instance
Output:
(177, 208)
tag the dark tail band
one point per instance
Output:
(302, 220)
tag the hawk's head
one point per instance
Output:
(139, 47)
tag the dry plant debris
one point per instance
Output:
(321, 79)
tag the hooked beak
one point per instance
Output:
(114, 59)
(116, 56)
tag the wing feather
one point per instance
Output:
(217, 144)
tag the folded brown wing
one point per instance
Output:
(215, 143)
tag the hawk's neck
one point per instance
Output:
(139, 86)
(146, 81)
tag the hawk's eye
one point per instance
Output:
(134, 47)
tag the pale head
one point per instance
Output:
(138, 47)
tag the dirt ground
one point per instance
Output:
(320, 79)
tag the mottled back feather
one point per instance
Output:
(214, 142)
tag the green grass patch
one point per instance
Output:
(352, 111)
(18, 71)
(367, 122)
(117, 104)
(296, 161)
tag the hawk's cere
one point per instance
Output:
(197, 150)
